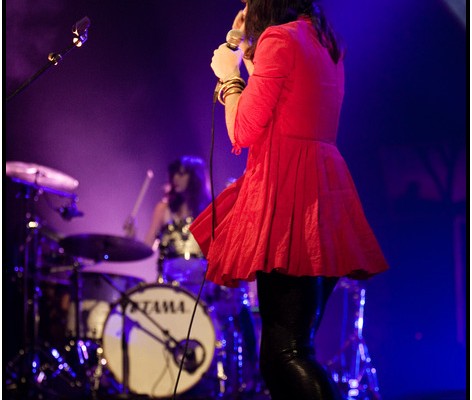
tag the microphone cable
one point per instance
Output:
(213, 226)
(233, 39)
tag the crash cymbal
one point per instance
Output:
(100, 247)
(40, 176)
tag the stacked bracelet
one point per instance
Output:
(229, 87)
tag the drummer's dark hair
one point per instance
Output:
(197, 194)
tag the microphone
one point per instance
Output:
(233, 39)
(81, 26)
(80, 29)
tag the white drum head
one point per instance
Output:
(154, 357)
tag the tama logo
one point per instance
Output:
(159, 307)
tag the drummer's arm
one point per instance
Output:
(157, 222)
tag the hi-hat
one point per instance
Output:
(40, 176)
(100, 247)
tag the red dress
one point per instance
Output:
(295, 208)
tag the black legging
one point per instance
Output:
(291, 309)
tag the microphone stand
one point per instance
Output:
(54, 58)
(124, 347)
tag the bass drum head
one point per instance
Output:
(156, 326)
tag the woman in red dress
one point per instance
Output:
(293, 220)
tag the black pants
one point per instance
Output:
(291, 309)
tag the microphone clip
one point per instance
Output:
(69, 211)
(191, 353)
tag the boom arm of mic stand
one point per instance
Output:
(53, 59)
(126, 299)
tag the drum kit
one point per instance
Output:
(99, 335)
(93, 335)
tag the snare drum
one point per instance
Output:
(156, 324)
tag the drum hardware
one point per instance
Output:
(352, 368)
(77, 297)
(78, 346)
(49, 375)
(160, 268)
(34, 364)
(69, 211)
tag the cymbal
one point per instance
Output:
(40, 176)
(100, 247)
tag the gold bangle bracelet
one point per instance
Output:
(222, 99)
(235, 78)
(231, 86)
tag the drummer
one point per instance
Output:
(186, 196)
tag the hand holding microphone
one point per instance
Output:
(227, 57)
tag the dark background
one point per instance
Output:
(138, 94)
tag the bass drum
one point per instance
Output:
(156, 324)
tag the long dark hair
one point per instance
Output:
(264, 13)
(196, 195)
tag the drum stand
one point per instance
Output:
(357, 377)
(78, 344)
(175, 348)
(35, 366)
(160, 268)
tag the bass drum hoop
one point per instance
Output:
(152, 369)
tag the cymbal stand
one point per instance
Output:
(35, 365)
(79, 334)
(352, 368)
(30, 292)
(28, 356)
(78, 343)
